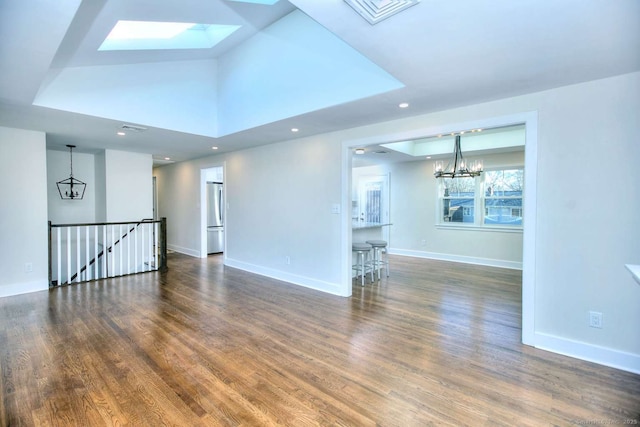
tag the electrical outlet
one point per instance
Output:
(595, 319)
(28, 267)
(287, 260)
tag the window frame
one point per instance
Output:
(479, 206)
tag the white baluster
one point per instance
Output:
(120, 246)
(87, 271)
(59, 250)
(135, 250)
(113, 258)
(128, 248)
(104, 252)
(78, 251)
(155, 246)
(68, 254)
(95, 253)
(143, 245)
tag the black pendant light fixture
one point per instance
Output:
(458, 167)
(71, 188)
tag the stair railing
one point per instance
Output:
(91, 251)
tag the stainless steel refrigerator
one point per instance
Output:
(215, 217)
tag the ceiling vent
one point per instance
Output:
(132, 128)
(375, 11)
(380, 152)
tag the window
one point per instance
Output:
(458, 200)
(503, 196)
(496, 197)
(372, 209)
(373, 200)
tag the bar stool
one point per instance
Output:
(362, 265)
(380, 256)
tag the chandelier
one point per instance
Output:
(458, 167)
(71, 188)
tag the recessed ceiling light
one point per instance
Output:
(121, 133)
(167, 158)
(294, 129)
(428, 157)
(403, 105)
(359, 150)
(214, 148)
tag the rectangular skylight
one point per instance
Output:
(146, 35)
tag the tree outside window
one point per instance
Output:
(503, 196)
(458, 199)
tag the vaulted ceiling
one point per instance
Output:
(317, 66)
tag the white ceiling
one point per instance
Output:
(445, 53)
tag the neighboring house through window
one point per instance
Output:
(494, 199)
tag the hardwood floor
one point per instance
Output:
(204, 345)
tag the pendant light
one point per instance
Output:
(71, 188)
(460, 167)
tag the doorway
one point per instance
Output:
(213, 231)
(370, 202)
(530, 122)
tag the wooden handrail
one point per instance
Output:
(86, 224)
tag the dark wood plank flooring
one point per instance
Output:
(436, 343)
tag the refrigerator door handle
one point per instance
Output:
(220, 206)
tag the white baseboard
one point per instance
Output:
(23, 288)
(186, 251)
(458, 258)
(589, 352)
(307, 282)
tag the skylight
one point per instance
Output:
(146, 35)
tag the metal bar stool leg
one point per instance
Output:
(380, 256)
(362, 250)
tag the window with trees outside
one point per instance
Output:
(494, 199)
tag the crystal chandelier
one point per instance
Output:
(458, 167)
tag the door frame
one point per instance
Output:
(530, 120)
(203, 208)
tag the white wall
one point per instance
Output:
(413, 191)
(178, 187)
(100, 192)
(129, 187)
(183, 92)
(118, 187)
(70, 211)
(255, 90)
(279, 200)
(23, 211)
(587, 226)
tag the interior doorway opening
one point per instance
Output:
(213, 236)
(529, 122)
